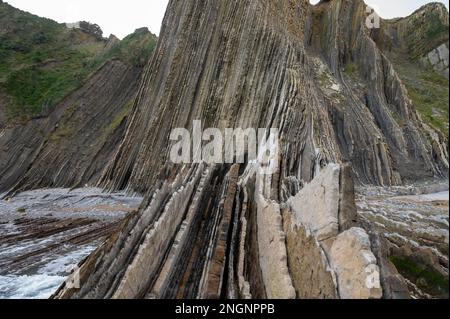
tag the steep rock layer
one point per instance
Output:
(258, 73)
(418, 47)
(209, 231)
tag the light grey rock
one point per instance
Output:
(316, 206)
(355, 266)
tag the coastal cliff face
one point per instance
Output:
(71, 146)
(357, 106)
(65, 94)
(344, 115)
(322, 80)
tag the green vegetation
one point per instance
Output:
(351, 69)
(136, 48)
(42, 61)
(35, 89)
(428, 90)
(121, 116)
(431, 281)
(431, 96)
(436, 27)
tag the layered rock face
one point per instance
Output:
(438, 59)
(64, 97)
(71, 146)
(236, 77)
(417, 46)
(211, 231)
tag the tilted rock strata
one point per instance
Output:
(243, 66)
(220, 231)
(71, 146)
(347, 259)
(273, 64)
(408, 229)
(417, 46)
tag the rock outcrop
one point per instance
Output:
(338, 254)
(71, 146)
(344, 116)
(438, 59)
(410, 237)
(417, 45)
(69, 143)
(261, 64)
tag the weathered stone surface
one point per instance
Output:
(438, 59)
(394, 285)
(316, 206)
(348, 215)
(355, 265)
(311, 273)
(272, 247)
(408, 226)
(335, 98)
(322, 243)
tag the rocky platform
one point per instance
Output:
(409, 226)
(44, 233)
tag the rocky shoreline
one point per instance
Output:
(45, 232)
(410, 227)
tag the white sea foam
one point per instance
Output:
(29, 287)
(47, 280)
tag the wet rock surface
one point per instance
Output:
(44, 233)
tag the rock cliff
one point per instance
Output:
(65, 95)
(210, 231)
(355, 104)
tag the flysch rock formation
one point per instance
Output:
(417, 47)
(70, 147)
(423, 35)
(222, 231)
(63, 112)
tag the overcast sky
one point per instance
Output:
(121, 17)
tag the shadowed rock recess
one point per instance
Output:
(221, 231)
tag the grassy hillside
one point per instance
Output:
(42, 61)
(429, 93)
(135, 49)
(406, 41)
